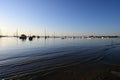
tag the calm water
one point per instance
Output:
(17, 56)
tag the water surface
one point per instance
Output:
(18, 56)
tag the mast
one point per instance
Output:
(17, 33)
(54, 34)
(29, 33)
(45, 34)
(0, 33)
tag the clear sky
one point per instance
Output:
(60, 16)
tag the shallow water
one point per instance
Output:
(17, 56)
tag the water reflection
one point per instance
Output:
(11, 42)
(13, 51)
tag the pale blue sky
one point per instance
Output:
(60, 16)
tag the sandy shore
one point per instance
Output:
(74, 71)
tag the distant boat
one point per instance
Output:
(102, 37)
(45, 34)
(33, 36)
(45, 37)
(89, 38)
(30, 38)
(23, 36)
(73, 37)
(62, 38)
(38, 36)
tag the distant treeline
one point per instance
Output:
(104, 36)
(3, 36)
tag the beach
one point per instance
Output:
(74, 71)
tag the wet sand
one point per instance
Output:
(74, 71)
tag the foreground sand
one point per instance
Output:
(74, 71)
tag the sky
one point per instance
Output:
(68, 17)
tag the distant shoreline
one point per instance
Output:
(68, 36)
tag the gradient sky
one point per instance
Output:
(61, 16)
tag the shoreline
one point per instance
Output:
(75, 71)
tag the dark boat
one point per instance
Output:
(45, 37)
(38, 36)
(23, 36)
(30, 38)
(33, 36)
(62, 38)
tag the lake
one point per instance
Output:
(20, 56)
